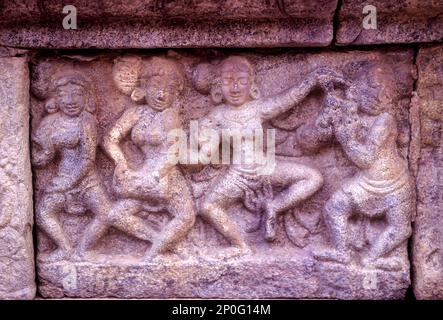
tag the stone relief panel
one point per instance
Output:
(17, 276)
(427, 146)
(141, 191)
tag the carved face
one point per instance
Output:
(161, 91)
(236, 87)
(71, 99)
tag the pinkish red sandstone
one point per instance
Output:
(428, 228)
(17, 277)
(207, 260)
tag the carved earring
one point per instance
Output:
(51, 106)
(216, 95)
(90, 105)
(254, 92)
(138, 95)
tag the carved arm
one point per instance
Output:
(208, 140)
(43, 151)
(111, 141)
(274, 106)
(363, 153)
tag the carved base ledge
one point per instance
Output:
(249, 277)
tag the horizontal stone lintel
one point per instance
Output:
(38, 11)
(172, 34)
(214, 23)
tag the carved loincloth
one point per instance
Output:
(384, 187)
(374, 197)
(74, 202)
(244, 184)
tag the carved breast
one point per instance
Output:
(146, 131)
(66, 133)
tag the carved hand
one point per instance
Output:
(121, 166)
(324, 125)
(59, 184)
(39, 159)
(256, 201)
(326, 78)
(346, 127)
(339, 111)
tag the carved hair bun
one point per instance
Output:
(203, 77)
(125, 73)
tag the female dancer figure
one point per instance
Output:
(240, 108)
(69, 133)
(156, 181)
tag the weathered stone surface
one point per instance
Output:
(106, 228)
(115, 218)
(296, 276)
(168, 24)
(403, 21)
(17, 278)
(12, 52)
(33, 11)
(428, 227)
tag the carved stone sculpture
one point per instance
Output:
(221, 149)
(139, 179)
(155, 180)
(364, 127)
(240, 108)
(68, 131)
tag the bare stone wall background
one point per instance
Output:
(428, 232)
(17, 277)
